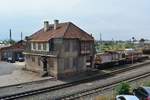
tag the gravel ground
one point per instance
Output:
(111, 92)
(123, 75)
(29, 86)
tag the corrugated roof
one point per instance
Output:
(64, 30)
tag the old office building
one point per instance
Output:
(60, 49)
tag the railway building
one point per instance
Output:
(60, 50)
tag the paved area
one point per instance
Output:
(6, 68)
(12, 73)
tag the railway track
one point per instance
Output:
(98, 89)
(57, 87)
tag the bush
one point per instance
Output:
(123, 88)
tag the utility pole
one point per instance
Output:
(100, 38)
(21, 35)
(10, 38)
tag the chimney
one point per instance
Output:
(56, 22)
(46, 26)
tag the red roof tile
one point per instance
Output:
(64, 30)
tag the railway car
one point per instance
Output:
(122, 57)
(112, 58)
(132, 55)
(107, 59)
(102, 60)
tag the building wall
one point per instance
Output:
(34, 63)
(69, 60)
(52, 66)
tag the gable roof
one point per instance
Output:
(64, 30)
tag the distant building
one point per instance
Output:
(14, 51)
(59, 49)
(143, 44)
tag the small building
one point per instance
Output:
(59, 49)
(14, 51)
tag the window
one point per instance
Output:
(122, 98)
(34, 46)
(39, 46)
(85, 47)
(44, 46)
(51, 47)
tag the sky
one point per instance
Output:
(114, 19)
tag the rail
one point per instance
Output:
(98, 89)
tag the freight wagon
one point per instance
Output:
(112, 58)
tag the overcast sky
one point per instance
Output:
(117, 19)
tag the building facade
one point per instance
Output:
(59, 49)
(12, 51)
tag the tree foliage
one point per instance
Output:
(113, 46)
(142, 40)
(8, 41)
(123, 88)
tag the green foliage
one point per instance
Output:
(113, 46)
(9, 41)
(142, 40)
(123, 88)
(12, 41)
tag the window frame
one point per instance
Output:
(39, 46)
(34, 45)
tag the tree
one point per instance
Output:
(12, 41)
(123, 88)
(142, 40)
(9, 41)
